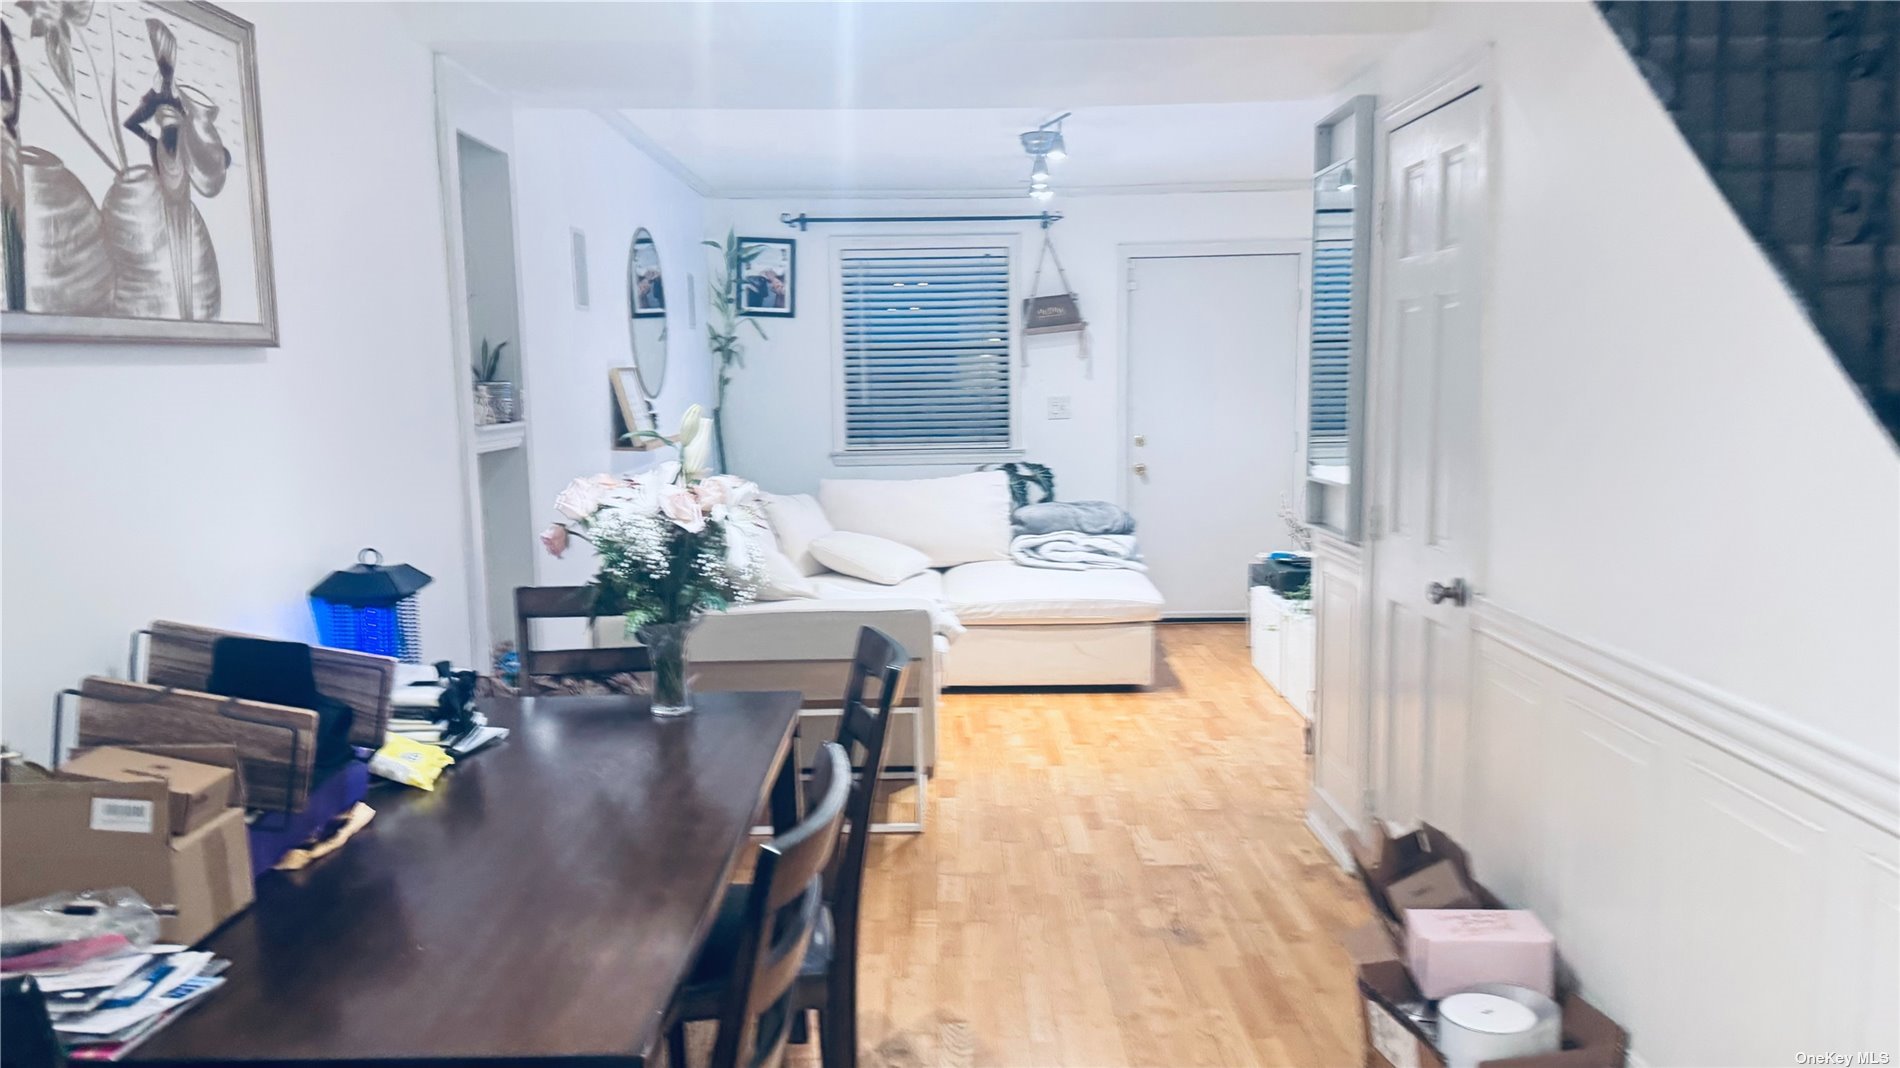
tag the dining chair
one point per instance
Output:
(781, 919)
(565, 602)
(828, 978)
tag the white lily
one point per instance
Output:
(691, 422)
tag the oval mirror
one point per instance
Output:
(646, 306)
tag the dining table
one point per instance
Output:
(540, 905)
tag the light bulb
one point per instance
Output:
(1042, 192)
(1058, 151)
(1040, 172)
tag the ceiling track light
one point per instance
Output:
(1044, 145)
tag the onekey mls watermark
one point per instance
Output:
(1844, 1059)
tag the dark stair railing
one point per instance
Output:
(1794, 108)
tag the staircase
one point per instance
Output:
(1794, 108)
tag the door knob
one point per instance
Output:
(1457, 593)
(1142, 470)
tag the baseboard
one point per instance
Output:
(1327, 823)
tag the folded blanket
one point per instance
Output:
(1076, 517)
(1068, 550)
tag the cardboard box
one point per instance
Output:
(63, 833)
(1395, 1040)
(198, 791)
(1391, 1002)
(1449, 950)
(1436, 886)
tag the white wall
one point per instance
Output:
(573, 171)
(1681, 747)
(779, 431)
(216, 485)
(1662, 425)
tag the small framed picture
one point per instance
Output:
(768, 276)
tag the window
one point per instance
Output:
(924, 350)
(1329, 441)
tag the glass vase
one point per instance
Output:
(666, 647)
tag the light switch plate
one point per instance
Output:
(1059, 407)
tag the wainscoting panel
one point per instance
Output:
(1707, 887)
(1337, 812)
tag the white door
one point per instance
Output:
(1211, 347)
(1425, 438)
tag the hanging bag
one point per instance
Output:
(1055, 314)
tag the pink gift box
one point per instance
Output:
(1450, 950)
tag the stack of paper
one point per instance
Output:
(102, 1009)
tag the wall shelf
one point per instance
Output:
(498, 436)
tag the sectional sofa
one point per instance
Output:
(970, 615)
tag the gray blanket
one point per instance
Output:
(1066, 550)
(1079, 517)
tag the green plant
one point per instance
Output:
(722, 327)
(489, 364)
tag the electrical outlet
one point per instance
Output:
(1059, 407)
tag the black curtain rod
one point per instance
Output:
(802, 221)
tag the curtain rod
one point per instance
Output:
(801, 221)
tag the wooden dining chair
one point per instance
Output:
(828, 978)
(780, 918)
(565, 602)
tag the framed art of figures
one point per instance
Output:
(766, 277)
(132, 175)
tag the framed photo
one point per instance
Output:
(768, 283)
(132, 176)
(646, 287)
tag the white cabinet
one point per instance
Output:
(1282, 635)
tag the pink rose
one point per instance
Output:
(678, 504)
(554, 539)
(581, 499)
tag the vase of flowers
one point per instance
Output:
(673, 542)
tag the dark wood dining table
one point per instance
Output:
(540, 905)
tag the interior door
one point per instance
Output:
(1425, 427)
(1211, 419)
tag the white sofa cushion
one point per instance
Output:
(796, 521)
(925, 586)
(996, 591)
(868, 557)
(781, 580)
(952, 520)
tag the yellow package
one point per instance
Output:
(410, 762)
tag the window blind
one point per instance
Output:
(1332, 351)
(925, 348)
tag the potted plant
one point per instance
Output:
(494, 399)
(722, 327)
(674, 543)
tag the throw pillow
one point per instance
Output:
(782, 580)
(955, 520)
(869, 557)
(796, 519)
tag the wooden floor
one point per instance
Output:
(1113, 879)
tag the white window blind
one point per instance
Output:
(925, 348)
(1332, 351)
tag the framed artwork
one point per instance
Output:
(132, 175)
(646, 285)
(767, 276)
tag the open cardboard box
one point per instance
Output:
(1427, 865)
(203, 780)
(66, 833)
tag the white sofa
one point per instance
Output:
(986, 622)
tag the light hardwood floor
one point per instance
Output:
(1113, 879)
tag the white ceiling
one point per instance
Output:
(974, 152)
(912, 98)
